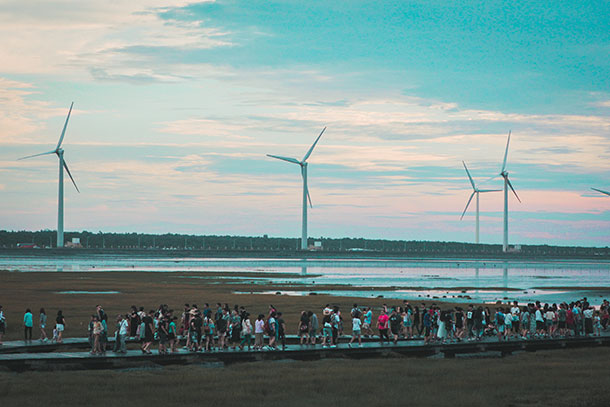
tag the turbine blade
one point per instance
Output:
(506, 152)
(309, 197)
(290, 160)
(468, 203)
(36, 155)
(70, 175)
(469, 177)
(313, 146)
(489, 190)
(63, 132)
(603, 192)
(512, 189)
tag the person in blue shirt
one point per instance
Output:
(28, 323)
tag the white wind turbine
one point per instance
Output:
(62, 164)
(603, 192)
(507, 184)
(477, 191)
(303, 164)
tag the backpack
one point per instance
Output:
(356, 313)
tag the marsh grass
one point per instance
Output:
(552, 378)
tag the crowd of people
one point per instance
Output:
(222, 327)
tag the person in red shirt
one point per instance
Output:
(382, 325)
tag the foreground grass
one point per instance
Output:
(557, 378)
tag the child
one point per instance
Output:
(327, 331)
(597, 324)
(55, 335)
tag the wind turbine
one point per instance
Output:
(603, 192)
(476, 191)
(303, 164)
(62, 164)
(507, 184)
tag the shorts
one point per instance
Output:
(59, 327)
(366, 326)
(356, 332)
(562, 324)
(42, 326)
(312, 333)
(539, 325)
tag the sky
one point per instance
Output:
(178, 102)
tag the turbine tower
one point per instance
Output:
(306, 197)
(507, 184)
(603, 192)
(62, 164)
(475, 191)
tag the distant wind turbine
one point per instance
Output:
(507, 184)
(306, 197)
(62, 164)
(603, 192)
(477, 191)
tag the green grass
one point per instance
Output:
(553, 378)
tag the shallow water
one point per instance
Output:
(450, 279)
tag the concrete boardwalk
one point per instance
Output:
(46, 361)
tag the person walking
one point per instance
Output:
(382, 326)
(303, 328)
(60, 326)
(315, 325)
(97, 332)
(2, 324)
(122, 335)
(246, 331)
(356, 331)
(259, 331)
(28, 324)
(43, 324)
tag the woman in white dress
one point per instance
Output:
(442, 331)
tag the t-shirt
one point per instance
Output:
(28, 320)
(123, 327)
(382, 321)
(562, 314)
(539, 316)
(147, 321)
(395, 322)
(549, 315)
(356, 323)
(43, 319)
(368, 317)
(588, 313)
(314, 322)
(259, 326)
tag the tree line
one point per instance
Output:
(169, 241)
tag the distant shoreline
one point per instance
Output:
(287, 254)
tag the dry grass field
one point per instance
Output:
(555, 378)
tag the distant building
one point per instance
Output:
(75, 243)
